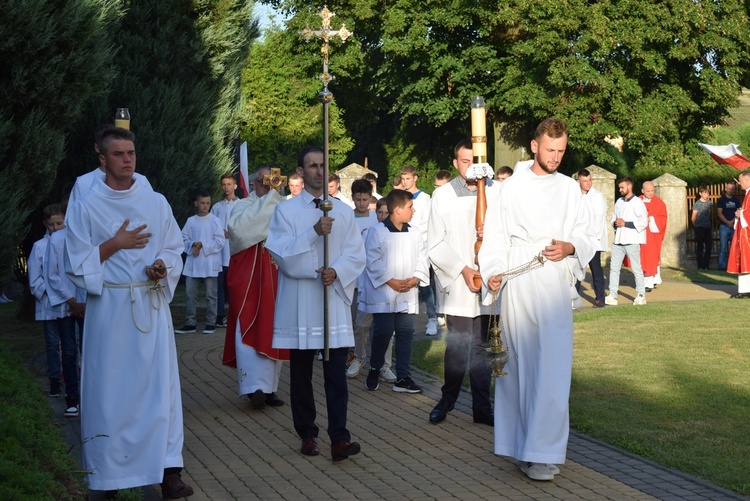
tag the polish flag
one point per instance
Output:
(244, 178)
(727, 155)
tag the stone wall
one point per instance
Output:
(673, 191)
(349, 174)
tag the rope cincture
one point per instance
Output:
(154, 288)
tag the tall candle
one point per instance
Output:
(478, 129)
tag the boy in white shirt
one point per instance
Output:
(222, 210)
(53, 220)
(69, 303)
(396, 264)
(203, 236)
(365, 218)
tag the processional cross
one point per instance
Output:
(326, 34)
(325, 97)
(274, 180)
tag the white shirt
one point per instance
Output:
(632, 210)
(209, 231)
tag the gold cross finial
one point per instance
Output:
(326, 34)
(274, 180)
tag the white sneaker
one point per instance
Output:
(553, 469)
(639, 299)
(610, 301)
(441, 321)
(536, 471)
(354, 367)
(432, 327)
(387, 376)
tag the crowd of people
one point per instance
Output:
(116, 257)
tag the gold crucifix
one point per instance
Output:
(274, 180)
(326, 34)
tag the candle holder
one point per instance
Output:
(122, 118)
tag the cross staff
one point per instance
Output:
(325, 97)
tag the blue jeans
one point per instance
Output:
(384, 325)
(427, 295)
(725, 240)
(618, 253)
(191, 304)
(66, 326)
(52, 349)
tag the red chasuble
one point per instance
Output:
(651, 250)
(252, 284)
(739, 252)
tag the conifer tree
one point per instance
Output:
(178, 70)
(54, 56)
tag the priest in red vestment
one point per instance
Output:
(739, 252)
(252, 292)
(657, 227)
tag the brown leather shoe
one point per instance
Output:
(343, 449)
(310, 446)
(174, 488)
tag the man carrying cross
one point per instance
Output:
(252, 292)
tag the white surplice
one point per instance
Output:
(531, 402)
(390, 255)
(450, 242)
(131, 409)
(298, 251)
(209, 231)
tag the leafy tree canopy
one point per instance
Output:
(655, 74)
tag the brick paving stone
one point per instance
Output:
(235, 452)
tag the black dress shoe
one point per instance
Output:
(441, 410)
(487, 418)
(273, 400)
(174, 488)
(257, 399)
(310, 446)
(343, 449)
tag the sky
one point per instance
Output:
(265, 15)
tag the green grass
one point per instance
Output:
(668, 381)
(699, 276)
(34, 463)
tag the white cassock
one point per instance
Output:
(298, 251)
(131, 409)
(531, 402)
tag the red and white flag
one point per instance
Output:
(727, 155)
(244, 178)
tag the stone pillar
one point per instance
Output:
(673, 191)
(604, 181)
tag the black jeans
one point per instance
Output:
(597, 276)
(703, 244)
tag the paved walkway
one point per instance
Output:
(235, 452)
